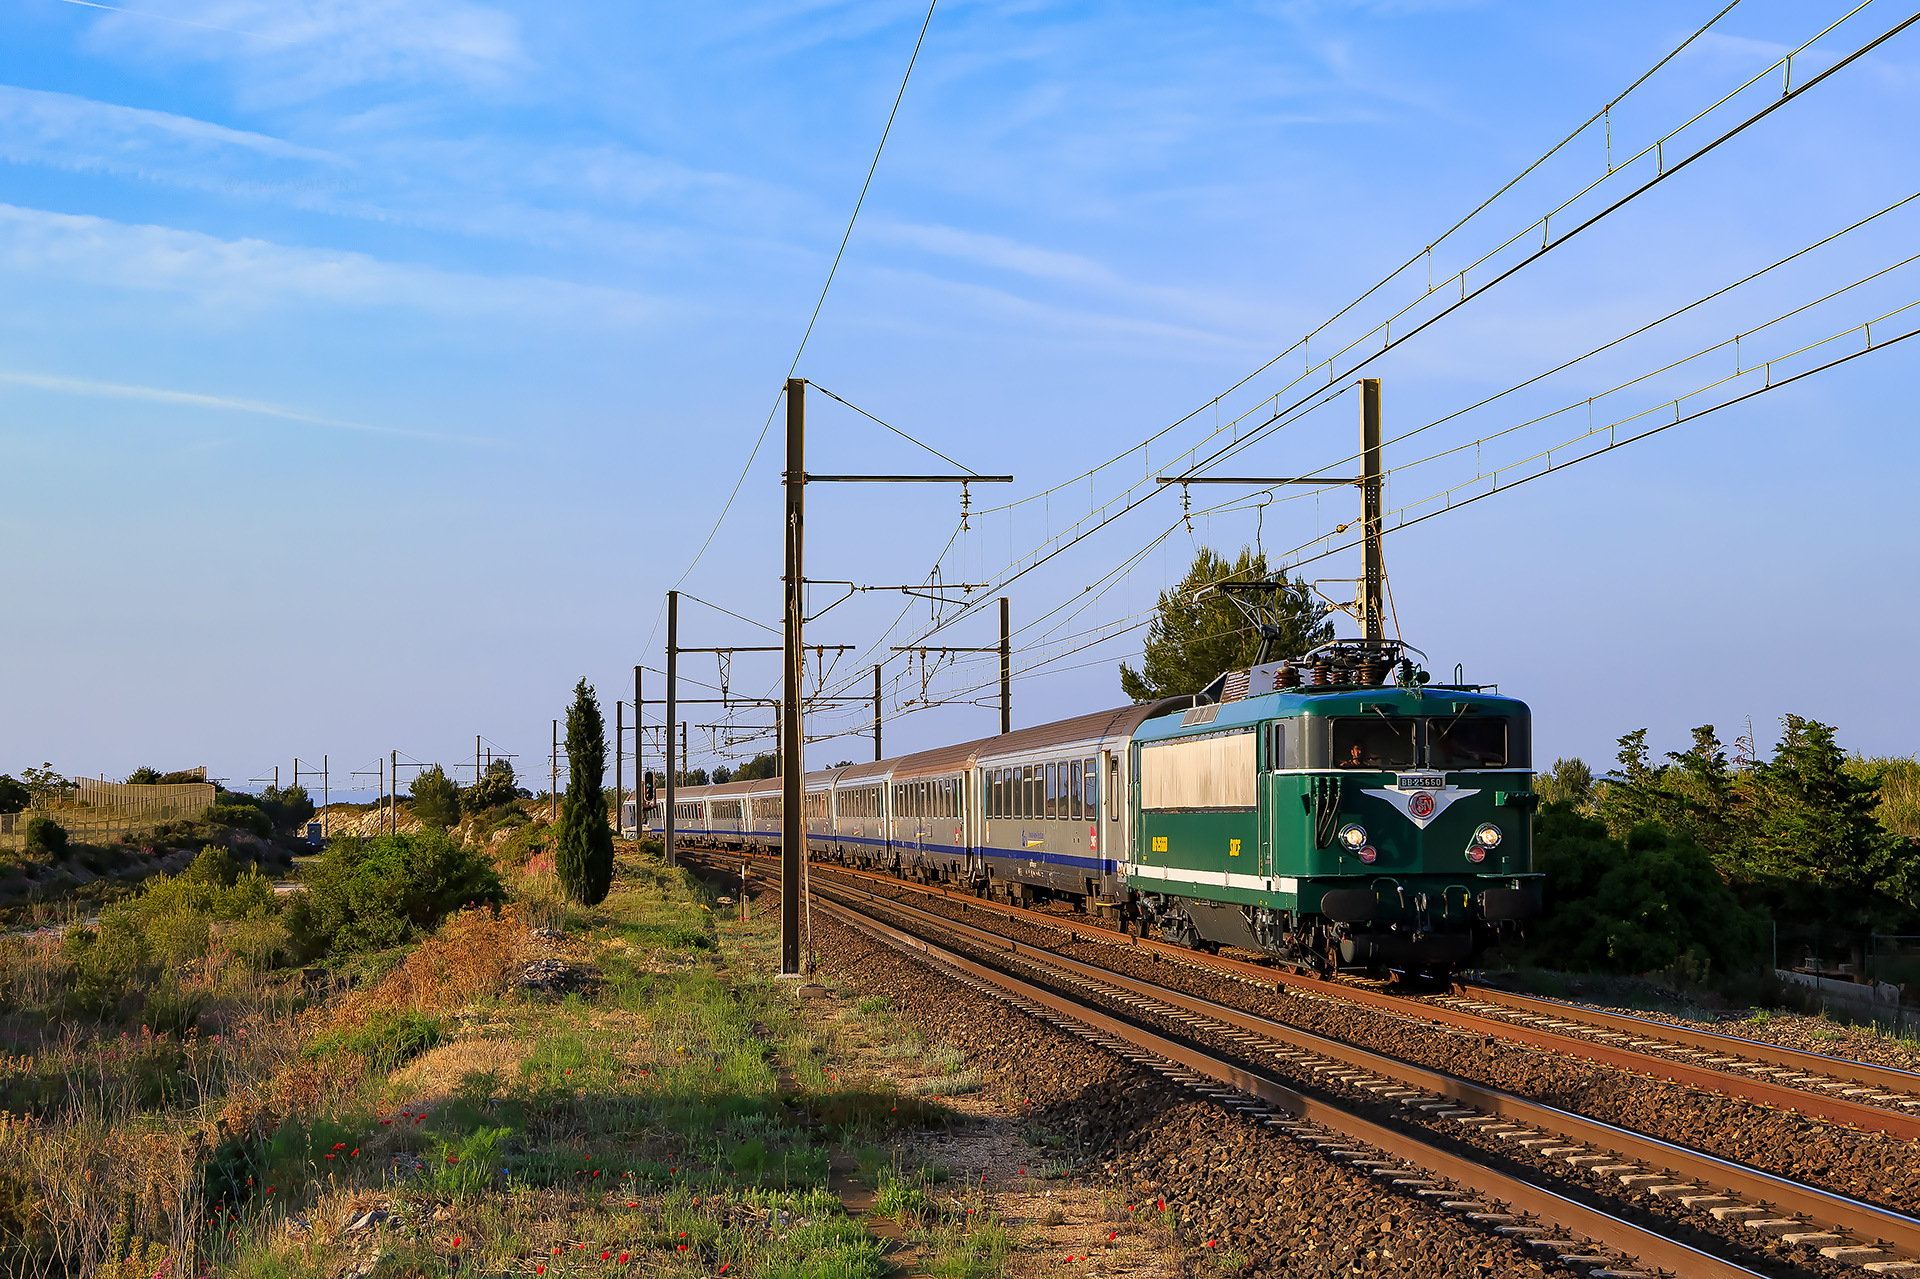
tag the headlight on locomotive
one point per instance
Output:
(1353, 835)
(1488, 836)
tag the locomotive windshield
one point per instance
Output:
(1375, 742)
(1462, 742)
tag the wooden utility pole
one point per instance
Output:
(1373, 573)
(1006, 670)
(393, 795)
(793, 826)
(640, 746)
(673, 691)
(553, 786)
(1372, 621)
(876, 713)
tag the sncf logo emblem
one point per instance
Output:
(1421, 804)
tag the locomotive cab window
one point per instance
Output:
(1374, 742)
(1463, 741)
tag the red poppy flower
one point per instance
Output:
(453, 1159)
(329, 1155)
(606, 1254)
(623, 1258)
(540, 1269)
(456, 1241)
(353, 1152)
(680, 1248)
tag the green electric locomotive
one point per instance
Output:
(1317, 812)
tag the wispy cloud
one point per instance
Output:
(223, 403)
(64, 131)
(248, 273)
(293, 49)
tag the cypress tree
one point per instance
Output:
(584, 856)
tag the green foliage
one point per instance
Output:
(288, 806)
(1803, 834)
(144, 776)
(1191, 642)
(1815, 823)
(46, 837)
(1636, 904)
(45, 786)
(368, 894)
(389, 1040)
(583, 856)
(435, 801)
(722, 775)
(107, 962)
(245, 817)
(13, 795)
(495, 787)
(1897, 778)
(1569, 781)
(757, 769)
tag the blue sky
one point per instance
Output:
(369, 371)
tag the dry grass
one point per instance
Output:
(472, 957)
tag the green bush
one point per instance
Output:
(243, 817)
(496, 787)
(1634, 905)
(388, 1041)
(46, 837)
(368, 894)
(107, 962)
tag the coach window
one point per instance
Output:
(1073, 768)
(999, 792)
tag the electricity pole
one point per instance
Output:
(683, 749)
(1006, 671)
(673, 690)
(1373, 573)
(393, 795)
(876, 713)
(793, 826)
(553, 786)
(1371, 621)
(619, 745)
(639, 746)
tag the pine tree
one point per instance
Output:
(1191, 642)
(435, 799)
(584, 856)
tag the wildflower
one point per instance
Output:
(633, 1205)
(680, 1247)
(1213, 1243)
(453, 1159)
(329, 1154)
(606, 1254)
(723, 1267)
(623, 1258)
(339, 1145)
(385, 1122)
(596, 1172)
(1160, 1204)
(353, 1152)
(456, 1241)
(556, 1250)
(1112, 1235)
(540, 1269)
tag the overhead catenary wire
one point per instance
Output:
(819, 302)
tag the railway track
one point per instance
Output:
(1839, 1090)
(1573, 1233)
(1566, 1228)
(1838, 1228)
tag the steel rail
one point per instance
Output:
(1839, 1110)
(1566, 1214)
(1884, 1078)
(1870, 1221)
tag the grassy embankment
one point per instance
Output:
(416, 1111)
